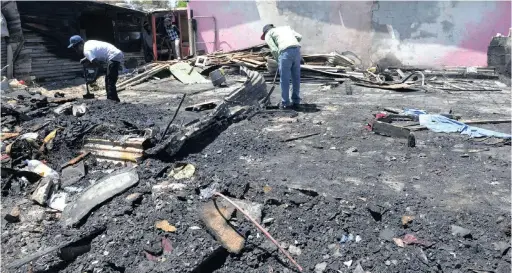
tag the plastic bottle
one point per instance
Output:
(40, 168)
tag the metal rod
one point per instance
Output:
(173, 117)
(262, 229)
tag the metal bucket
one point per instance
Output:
(217, 77)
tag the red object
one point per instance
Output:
(380, 115)
(22, 82)
(410, 239)
(166, 245)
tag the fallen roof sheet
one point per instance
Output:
(186, 73)
(98, 193)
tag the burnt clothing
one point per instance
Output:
(111, 80)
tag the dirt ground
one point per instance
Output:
(338, 196)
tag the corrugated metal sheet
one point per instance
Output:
(130, 150)
(45, 64)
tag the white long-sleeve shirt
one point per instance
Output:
(102, 51)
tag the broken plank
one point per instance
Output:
(36, 255)
(486, 121)
(387, 129)
(252, 61)
(395, 87)
(141, 77)
(324, 67)
(98, 193)
(215, 216)
(29, 258)
(5, 136)
(202, 106)
(251, 65)
(417, 127)
(40, 126)
(75, 160)
(300, 137)
(393, 110)
(470, 90)
(61, 100)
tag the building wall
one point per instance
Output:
(434, 33)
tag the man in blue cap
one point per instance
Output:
(284, 44)
(97, 52)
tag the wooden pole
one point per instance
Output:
(153, 30)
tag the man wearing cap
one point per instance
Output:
(97, 52)
(174, 35)
(284, 44)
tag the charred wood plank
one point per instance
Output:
(387, 129)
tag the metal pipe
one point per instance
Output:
(10, 68)
(414, 73)
(191, 33)
(214, 31)
(174, 116)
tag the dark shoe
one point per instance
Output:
(285, 107)
(116, 99)
(295, 106)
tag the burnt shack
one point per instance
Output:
(39, 35)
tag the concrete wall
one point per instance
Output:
(436, 33)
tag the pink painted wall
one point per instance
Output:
(478, 36)
(233, 24)
(435, 33)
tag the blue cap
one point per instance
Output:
(75, 39)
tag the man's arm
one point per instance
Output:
(298, 36)
(177, 31)
(89, 58)
(274, 49)
(85, 60)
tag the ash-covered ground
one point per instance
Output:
(335, 200)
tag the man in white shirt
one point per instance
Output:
(97, 52)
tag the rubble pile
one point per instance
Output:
(64, 157)
(346, 67)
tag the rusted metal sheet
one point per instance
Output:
(130, 150)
